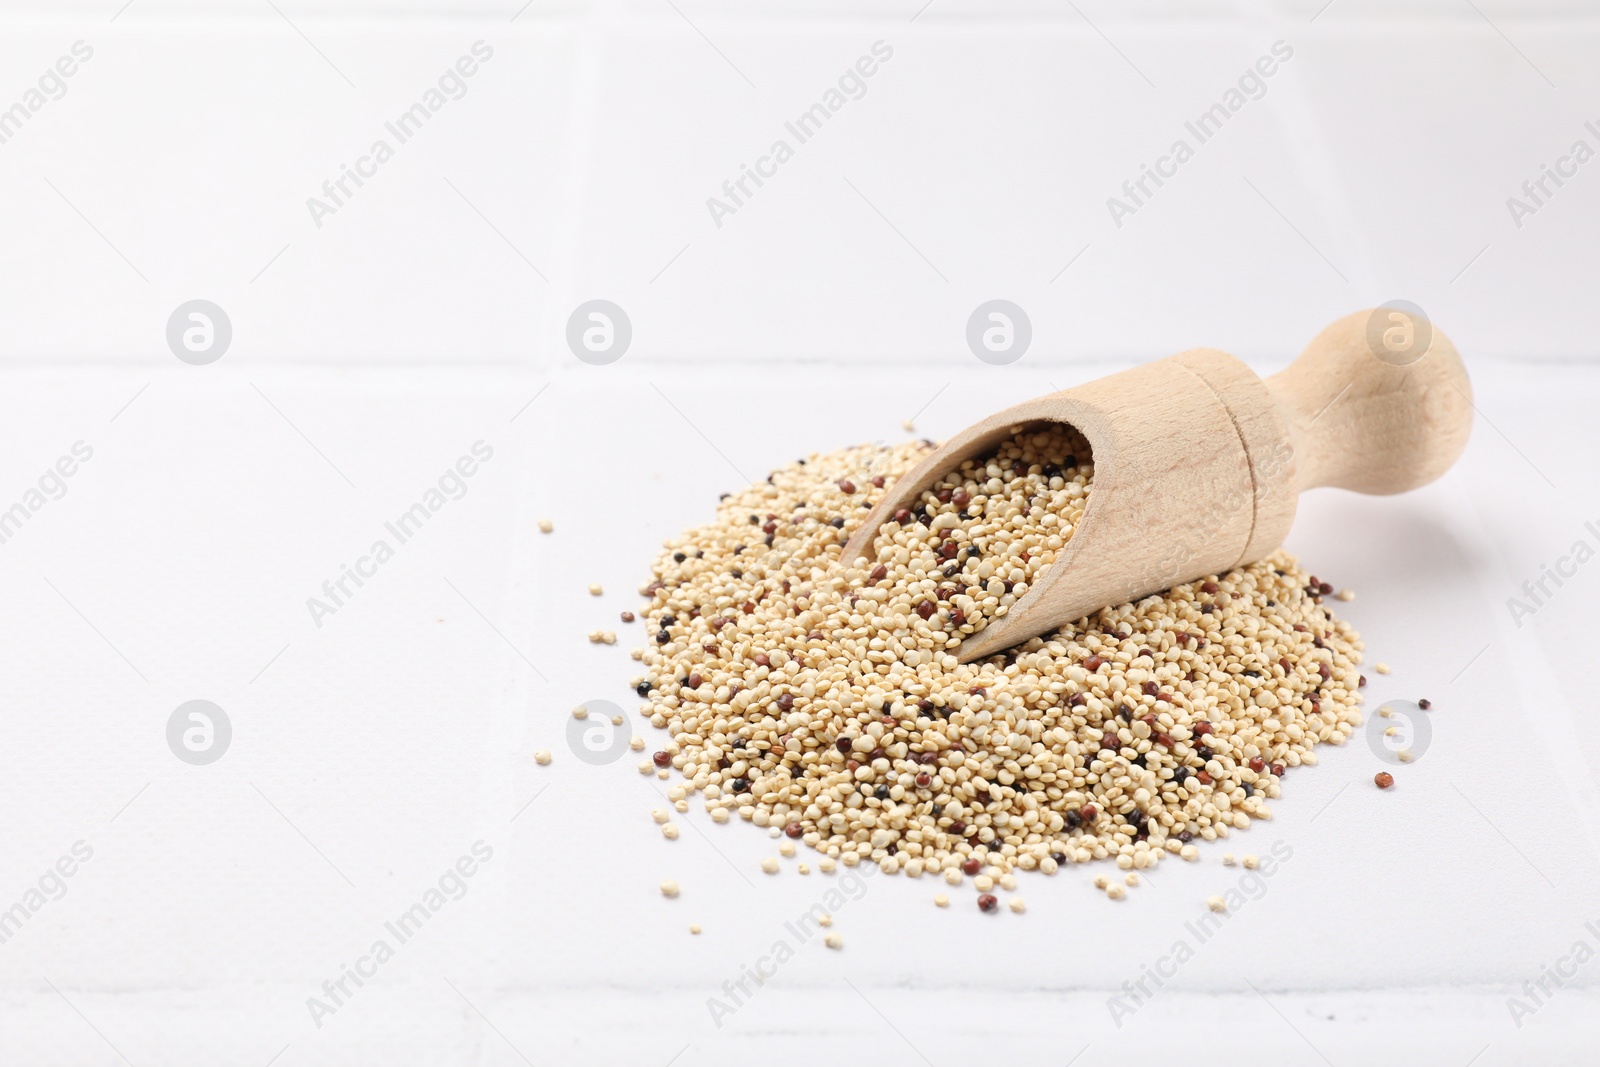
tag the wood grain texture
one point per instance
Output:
(1198, 463)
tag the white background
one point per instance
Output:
(425, 315)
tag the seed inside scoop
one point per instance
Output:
(827, 701)
(974, 543)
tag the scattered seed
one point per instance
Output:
(833, 941)
(694, 928)
(987, 902)
(545, 526)
(770, 865)
(1115, 891)
(1251, 861)
(542, 757)
(669, 888)
(1216, 904)
(1381, 668)
(1383, 779)
(940, 900)
(1016, 905)
(825, 691)
(594, 589)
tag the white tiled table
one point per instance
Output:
(371, 752)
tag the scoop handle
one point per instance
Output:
(1379, 402)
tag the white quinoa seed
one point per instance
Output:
(826, 865)
(1227, 859)
(1346, 595)
(694, 928)
(983, 883)
(670, 831)
(1131, 879)
(595, 589)
(669, 888)
(1115, 891)
(825, 920)
(1381, 668)
(831, 698)
(940, 900)
(636, 743)
(803, 869)
(580, 712)
(1251, 862)
(952, 875)
(770, 865)
(1016, 905)
(542, 757)
(1007, 882)
(545, 526)
(659, 815)
(1189, 852)
(1216, 904)
(833, 941)
(786, 849)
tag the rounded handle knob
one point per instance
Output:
(1379, 402)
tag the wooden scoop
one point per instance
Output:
(1199, 463)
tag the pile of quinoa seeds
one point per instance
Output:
(826, 701)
